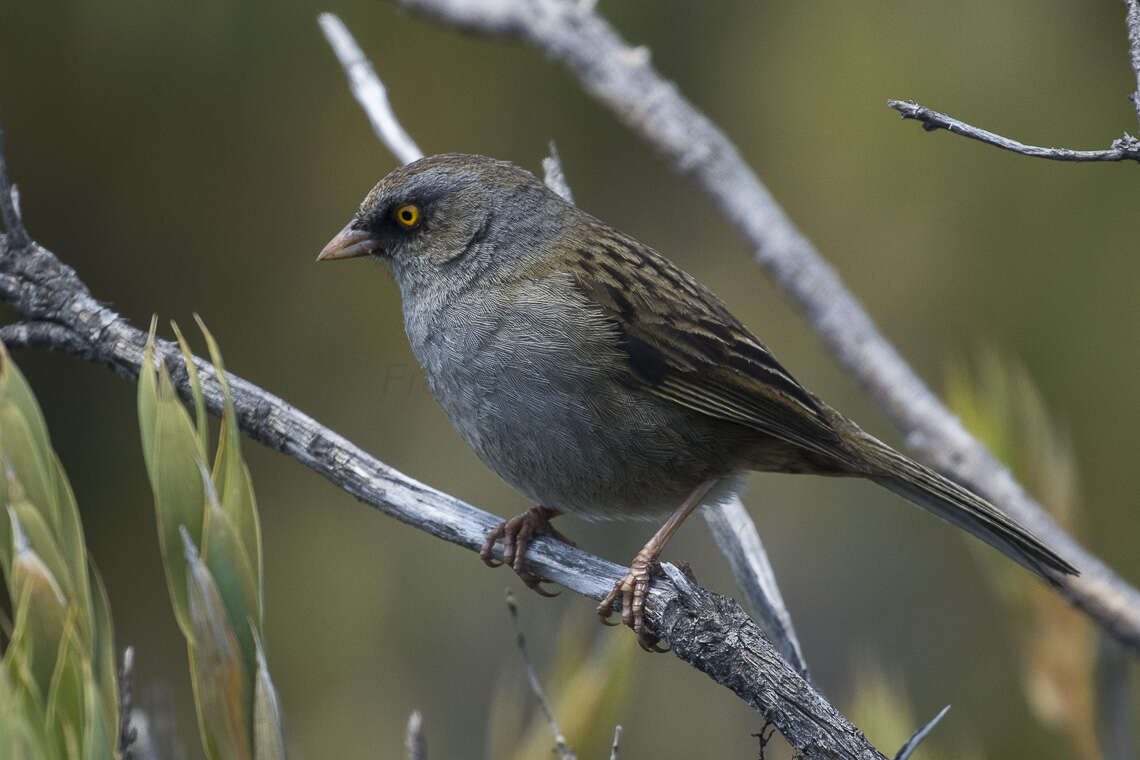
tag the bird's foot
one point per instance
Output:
(517, 534)
(632, 590)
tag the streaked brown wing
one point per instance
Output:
(685, 346)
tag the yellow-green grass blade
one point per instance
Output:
(268, 738)
(148, 400)
(233, 575)
(103, 653)
(220, 687)
(230, 473)
(176, 481)
(41, 610)
(65, 699)
(25, 439)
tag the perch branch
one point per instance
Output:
(733, 529)
(710, 632)
(623, 79)
(1126, 148)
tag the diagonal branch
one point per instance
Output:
(710, 632)
(623, 79)
(1125, 148)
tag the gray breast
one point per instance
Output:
(535, 388)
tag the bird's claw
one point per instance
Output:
(516, 534)
(632, 590)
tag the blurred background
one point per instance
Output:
(196, 157)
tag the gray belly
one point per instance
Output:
(558, 425)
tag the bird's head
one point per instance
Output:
(452, 216)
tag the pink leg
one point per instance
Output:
(633, 588)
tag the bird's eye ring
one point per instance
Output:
(408, 216)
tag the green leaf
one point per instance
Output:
(103, 652)
(200, 419)
(22, 732)
(24, 438)
(176, 481)
(268, 738)
(148, 400)
(38, 536)
(71, 541)
(224, 555)
(41, 611)
(100, 734)
(65, 700)
(230, 473)
(221, 690)
(31, 466)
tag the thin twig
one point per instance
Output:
(553, 175)
(1132, 22)
(368, 89)
(919, 735)
(617, 741)
(127, 732)
(736, 535)
(1126, 148)
(624, 80)
(415, 748)
(17, 237)
(564, 752)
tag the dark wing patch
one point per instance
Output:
(688, 348)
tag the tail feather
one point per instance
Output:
(963, 508)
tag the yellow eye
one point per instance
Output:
(408, 216)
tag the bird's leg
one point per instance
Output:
(516, 534)
(633, 588)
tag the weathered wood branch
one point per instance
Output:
(623, 79)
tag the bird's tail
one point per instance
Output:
(961, 507)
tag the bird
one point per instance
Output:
(599, 379)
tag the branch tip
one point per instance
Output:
(1122, 149)
(916, 738)
(16, 239)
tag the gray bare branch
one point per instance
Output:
(1126, 148)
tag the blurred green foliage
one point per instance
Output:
(998, 401)
(588, 685)
(196, 157)
(211, 550)
(58, 693)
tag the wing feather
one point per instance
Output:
(685, 346)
